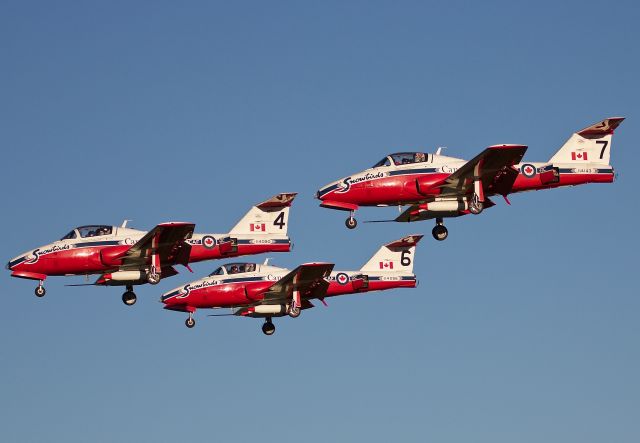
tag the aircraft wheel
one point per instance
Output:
(190, 322)
(40, 291)
(268, 328)
(440, 232)
(294, 311)
(129, 298)
(351, 223)
(153, 278)
(475, 205)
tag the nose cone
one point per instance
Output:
(15, 262)
(327, 191)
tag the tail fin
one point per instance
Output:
(396, 256)
(590, 145)
(267, 218)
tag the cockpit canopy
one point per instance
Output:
(403, 158)
(88, 231)
(234, 268)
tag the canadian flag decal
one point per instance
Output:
(579, 156)
(386, 265)
(258, 227)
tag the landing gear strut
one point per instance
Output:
(268, 328)
(190, 322)
(351, 222)
(129, 297)
(40, 291)
(440, 231)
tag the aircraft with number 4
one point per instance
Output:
(128, 257)
(263, 291)
(437, 186)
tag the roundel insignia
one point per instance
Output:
(342, 278)
(208, 241)
(528, 170)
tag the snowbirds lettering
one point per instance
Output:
(126, 257)
(436, 187)
(263, 291)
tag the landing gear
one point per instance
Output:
(440, 231)
(475, 205)
(294, 311)
(40, 291)
(129, 297)
(190, 322)
(268, 328)
(351, 222)
(153, 277)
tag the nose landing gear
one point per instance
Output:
(351, 222)
(40, 291)
(190, 322)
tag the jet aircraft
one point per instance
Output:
(263, 291)
(437, 186)
(127, 257)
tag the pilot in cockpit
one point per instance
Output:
(234, 269)
(419, 157)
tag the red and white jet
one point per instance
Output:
(437, 186)
(127, 257)
(263, 291)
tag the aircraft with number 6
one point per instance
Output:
(437, 187)
(127, 257)
(263, 291)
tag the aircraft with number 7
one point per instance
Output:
(127, 257)
(264, 291)
(437, 186)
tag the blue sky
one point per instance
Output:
(525, 324)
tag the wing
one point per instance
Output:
(309, 279)
(167, 240)
(494, 167)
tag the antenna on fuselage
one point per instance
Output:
(266, 261)
(124, 223)
(440, 148)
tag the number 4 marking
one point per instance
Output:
(279, 221)
(604, 144)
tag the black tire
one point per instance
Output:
(40, 291)
(294, 312)
(440, 232)
(129, 298)
(190, 322)
(268, 328)
(351, 223)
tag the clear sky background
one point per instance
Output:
(525, 325)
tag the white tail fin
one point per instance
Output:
(271, 217)
(396, 256)
(590, 145)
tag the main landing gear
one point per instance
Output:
(475, 205)
(190, 322)
(440, 231)
(153, 277)
(268, 328)
(129, 297)
(351, 222)
(40, 291)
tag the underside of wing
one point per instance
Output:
(419, 212)
(494, 167)
(167, 241)
(309, 279)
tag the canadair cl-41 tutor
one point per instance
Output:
(436, 186)
(263, 291)
(127, 257)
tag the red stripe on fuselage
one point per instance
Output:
(200, 253)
